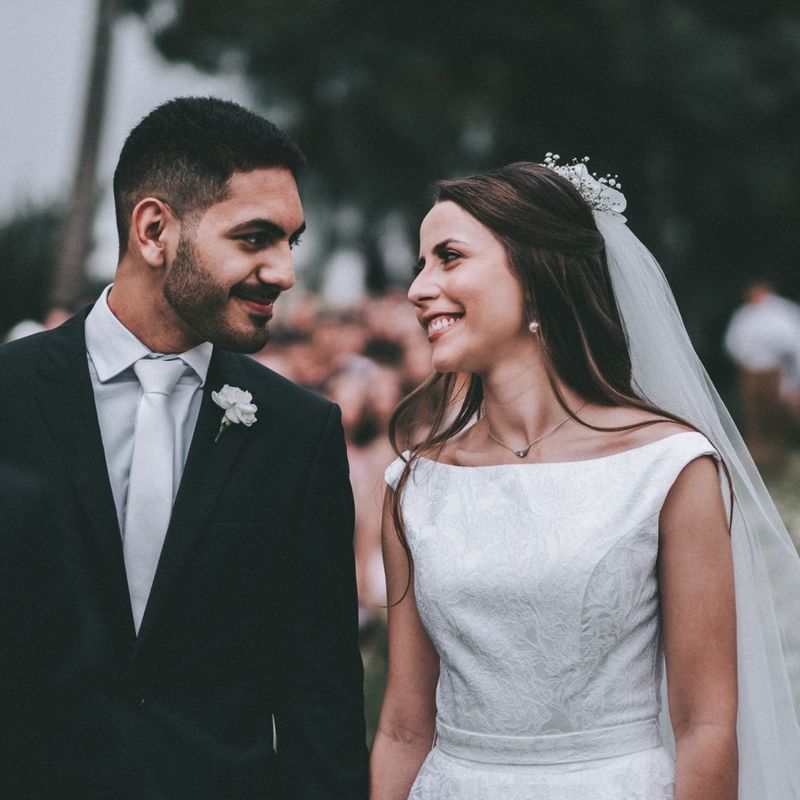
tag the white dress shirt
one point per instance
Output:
(112, 351)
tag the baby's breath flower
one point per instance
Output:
(594, 189)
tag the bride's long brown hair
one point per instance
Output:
(557, 253)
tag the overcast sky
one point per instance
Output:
(45, 46)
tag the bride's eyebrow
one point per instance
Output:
(441, 248)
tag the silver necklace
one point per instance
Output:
(525, 450)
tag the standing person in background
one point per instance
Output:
(209, 623)
(564, 526)
(763, 338)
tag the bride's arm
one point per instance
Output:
(406, 726)
(699, 623)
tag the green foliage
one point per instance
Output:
(28, 250)
(373, 654)
(695, 105)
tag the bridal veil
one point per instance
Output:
(668, 373)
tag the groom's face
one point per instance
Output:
(234, 260)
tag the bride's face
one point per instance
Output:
(468, 300)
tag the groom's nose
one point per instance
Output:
(278, 269)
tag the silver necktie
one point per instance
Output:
(150, 486)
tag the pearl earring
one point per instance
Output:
(533, 327)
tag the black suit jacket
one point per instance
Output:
(251, 617)
(28, 561)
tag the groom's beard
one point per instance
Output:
(202, 304)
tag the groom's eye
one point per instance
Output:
(256, 240)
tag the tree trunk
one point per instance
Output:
(70, 278)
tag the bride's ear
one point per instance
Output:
(153, 226)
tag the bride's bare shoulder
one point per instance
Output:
(649, 427)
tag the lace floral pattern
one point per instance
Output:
(537, 586)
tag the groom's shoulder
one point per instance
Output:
(63, 341)
(25, 352)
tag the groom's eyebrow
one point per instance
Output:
(272, 229)
(296, 235)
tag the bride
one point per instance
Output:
(580, 511)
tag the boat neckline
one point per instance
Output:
(562, 463)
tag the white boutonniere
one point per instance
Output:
(238, 406)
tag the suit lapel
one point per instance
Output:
(68, 407)
(207, 468)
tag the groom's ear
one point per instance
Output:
(154, 231)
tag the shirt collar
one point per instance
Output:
(113, 348)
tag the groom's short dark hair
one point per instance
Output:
(185, 151)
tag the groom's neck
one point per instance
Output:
(138, 302)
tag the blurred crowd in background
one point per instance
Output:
(365, 359)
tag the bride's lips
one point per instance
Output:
(437, 325)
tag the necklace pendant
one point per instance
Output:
(522, 453)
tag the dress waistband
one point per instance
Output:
(550, 749)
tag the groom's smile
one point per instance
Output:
(234, 261)
(258, 299)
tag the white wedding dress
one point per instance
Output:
(537, 585)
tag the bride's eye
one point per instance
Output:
(448, 256)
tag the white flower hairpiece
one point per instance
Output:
(601, 194)
(238, 406)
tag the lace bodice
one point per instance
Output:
(537, 585)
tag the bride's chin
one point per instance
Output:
(441, 361)
(444, 364)
(455, 357)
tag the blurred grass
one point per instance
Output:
(785, 490)
(373, 653)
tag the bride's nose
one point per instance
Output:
(423, 288)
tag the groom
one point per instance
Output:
(201, 640)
